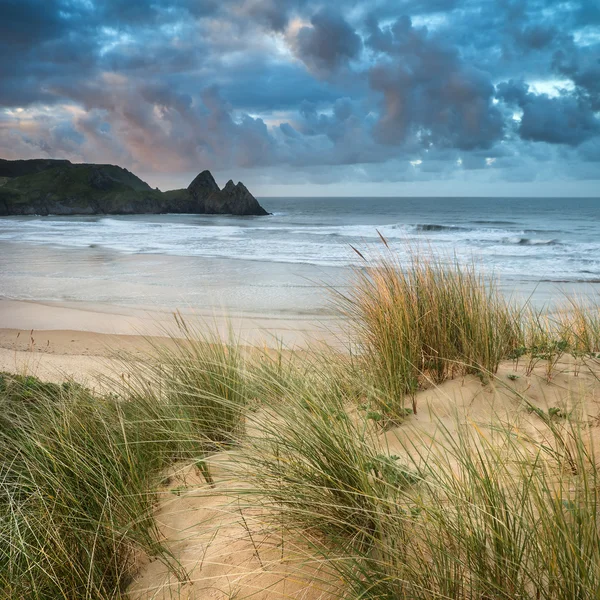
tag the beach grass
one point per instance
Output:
(323, 443)
(424, 322)
(75, 491)
(198, 382)
(477, 512)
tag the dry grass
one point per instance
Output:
(477, 515)
(424, 322)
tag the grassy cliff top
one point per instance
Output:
(78, 179)
(18, 168)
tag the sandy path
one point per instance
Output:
(222, 548)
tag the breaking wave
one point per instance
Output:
(507, 239)
(523, 241)
(436, 227)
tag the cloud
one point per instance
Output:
(429, 93)
(582, 66)
(28, 22)
(566, 119)
(354, 88)
(274, 14)
(327, 44)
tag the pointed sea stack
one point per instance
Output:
(203, 186)
(234, 199)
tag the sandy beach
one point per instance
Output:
(60, 340)
(224, 546)
(60, 355)
(114, 319)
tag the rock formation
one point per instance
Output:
(43, 187)
(203, 186)
(233, 198)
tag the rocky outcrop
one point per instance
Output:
(234, 197)
(231, 200)
(203, 186)
(62, 188)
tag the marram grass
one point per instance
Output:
(75, 501)
(424, 322)
(479, 514)
(482, 512)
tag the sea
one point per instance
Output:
(290, 261)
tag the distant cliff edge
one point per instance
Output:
(59, 187)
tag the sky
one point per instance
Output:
(301, 97)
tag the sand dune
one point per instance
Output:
(225, 551)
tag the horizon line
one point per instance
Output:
(504, 197)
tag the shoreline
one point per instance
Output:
(79, 340)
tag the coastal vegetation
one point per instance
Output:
(448, 450)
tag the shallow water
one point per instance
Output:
(277, 264)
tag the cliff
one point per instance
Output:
(59, 187)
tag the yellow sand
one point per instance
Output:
(223, 550)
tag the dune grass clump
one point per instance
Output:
(497, 517)
(317, 466)
(482, 511)
(75, 491)
(78, 471)
(193, 382)
(425, 321)
(578, 323)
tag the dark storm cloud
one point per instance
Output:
(133, 13)
(582, 66)
(28, 22)
(565, 119)
(427, 90)
(473, 86)
(328, 43)
(37, 43)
